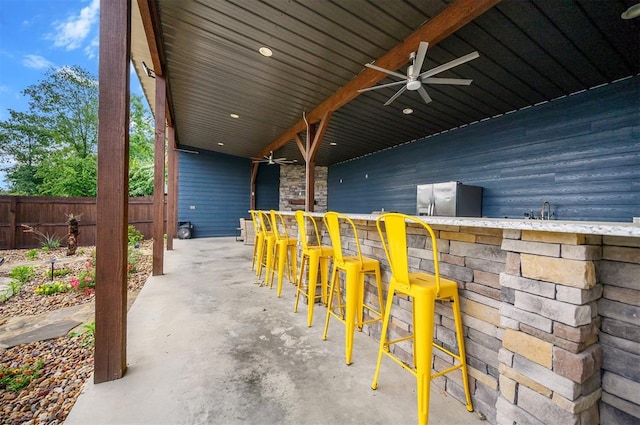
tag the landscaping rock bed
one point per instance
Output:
(68, 360)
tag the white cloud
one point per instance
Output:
(92, 49)
(71, 33)
(36, 62)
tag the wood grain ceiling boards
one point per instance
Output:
(530, 52)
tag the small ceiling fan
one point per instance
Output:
(271, 160)
(414, 79)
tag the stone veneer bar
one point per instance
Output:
(550, 311)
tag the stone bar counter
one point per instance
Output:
(551, 314)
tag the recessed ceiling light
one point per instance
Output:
(333, 144)
(220, 144)
(265, 51)
(234, 115)
(407, 111)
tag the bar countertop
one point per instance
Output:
(560, 226)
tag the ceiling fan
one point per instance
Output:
(271, 160)
(414, 79)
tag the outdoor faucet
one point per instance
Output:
(546, 209)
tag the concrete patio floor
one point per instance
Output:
(208, 345)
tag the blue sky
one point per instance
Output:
(38, 34)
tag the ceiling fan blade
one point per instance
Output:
(449, 65)
(417, 64)
(395, 96)
(386, 71)
(395, 83)
(454, 81)
(425, 96)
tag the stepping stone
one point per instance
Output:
(50, 331)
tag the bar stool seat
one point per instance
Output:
(424, 289)
(317, 256)
(351, 311)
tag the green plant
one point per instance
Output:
(134, 235)
(15, 379)
(15, 286)
(132, 260)
(52, 288)
(88, 336)
(23, 274)
(59, 272)
(47, 241)
(32, 254)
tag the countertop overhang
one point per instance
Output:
(560, 226)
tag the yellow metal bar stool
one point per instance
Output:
(258, 243)
(265, 251)
(424, 288)
(284, 251)
(316, 255)
(351, 311)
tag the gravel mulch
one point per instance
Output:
(68, 361)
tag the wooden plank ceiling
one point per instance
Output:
(530, 52)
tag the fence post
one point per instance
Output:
(13, 209)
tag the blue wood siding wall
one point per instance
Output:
(268, 187)
(581, 153)
(217, 185)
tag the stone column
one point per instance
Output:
(550, 358)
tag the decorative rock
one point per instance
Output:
(577, 367)
(528, 346)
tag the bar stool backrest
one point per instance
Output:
(278, 224)
(332, 223)
(265, 222)
(302, 218)
(254, 220)
(397, 250)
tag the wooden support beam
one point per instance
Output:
(158, 178)
(314, 139)
(110, 360)
(301, 147)
(455, 16)
(254, 174)
(172, 198)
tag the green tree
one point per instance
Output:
(52, 148)
(141, 139)
(24, 144)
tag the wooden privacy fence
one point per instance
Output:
(49, 216)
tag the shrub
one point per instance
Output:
(22, 274)
(52, 288)
(15, 379)
(134, 235)
(32, 254)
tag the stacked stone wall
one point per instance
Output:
(619, 310)
(293, 188)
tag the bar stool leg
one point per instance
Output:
(314, 259)
(383, 334)
(281, 257)
(260, 257)
(353, 289)
(463, 355)
(303, 263)
(269, 265)
(424, 312)
(334, 277)
(324, 273)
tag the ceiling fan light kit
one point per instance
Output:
(414, 80)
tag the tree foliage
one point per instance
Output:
(51, 149)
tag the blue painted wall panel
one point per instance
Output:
(581, 153)
(268, 187)
(217, 185)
